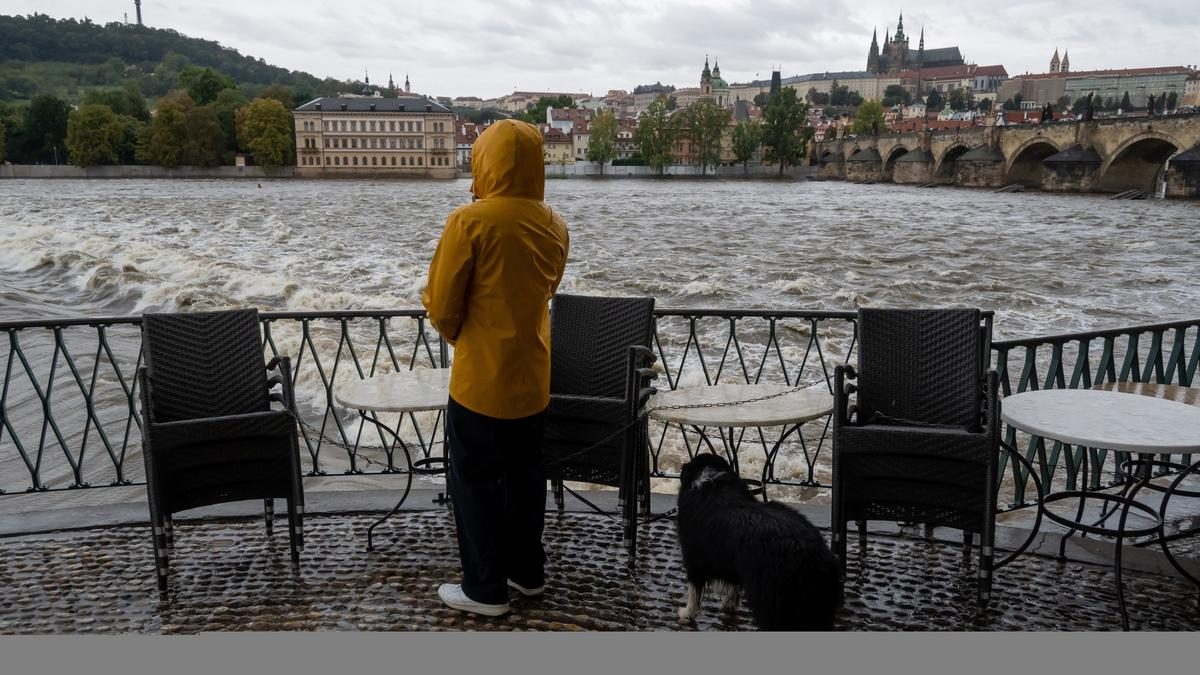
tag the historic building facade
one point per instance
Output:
(896, 55)
(371, 135)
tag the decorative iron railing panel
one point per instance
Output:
(69, 413)
(1165, 353)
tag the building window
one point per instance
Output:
(356, 161)
(392, 125)
(419, 143)
(393, 144)
(374, 143)
(393, 161)
(326, 161)
(372, 125)
(420, 161)
(418, 127)
(354, 142)
(364, 161)
(374, 161)
(408, 126)
(327, 142)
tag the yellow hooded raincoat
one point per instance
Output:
(499, 261)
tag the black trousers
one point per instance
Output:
(498, 489)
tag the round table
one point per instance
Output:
(1136, 422)
(734, 406)
(410, 391)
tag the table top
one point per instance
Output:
(405, 391)
(793, 408)
(1111, 420)
(1171, 392)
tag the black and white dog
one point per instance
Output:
(766, 550)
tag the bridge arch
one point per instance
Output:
(1025, 165)
(853, 149)
(1138, 163)
(945, 164)
(889, 162)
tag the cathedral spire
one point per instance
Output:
(900, 29)
(407, 86)
(873, 53)
(706, 74)
(922, 44)
(1066, 62)
(1055, 64)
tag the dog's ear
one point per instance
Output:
(707, 475)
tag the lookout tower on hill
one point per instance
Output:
(138, 6)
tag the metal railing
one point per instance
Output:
(1163, 353)
(69, 413)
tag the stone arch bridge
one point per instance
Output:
(1096, 156)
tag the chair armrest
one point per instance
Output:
(843, 411)
(216, 429)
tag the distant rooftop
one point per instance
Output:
(372, 104)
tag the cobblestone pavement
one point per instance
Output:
(229, 576)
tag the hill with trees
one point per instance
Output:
(78, 92)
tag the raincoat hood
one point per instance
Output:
(507, 161)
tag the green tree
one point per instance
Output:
(656, 134)
(895, 94)
(3, 140)
(536, 114)
(127, 100)
(934, 100)
(94, 136)
(747, 138)
(281, 93)
(164, 141)
(264, 130)
(1063, 103)
(228, 102)
(785, 128)
(1126, 104)
(985, 105)
(1172, 101)
(869, 120)
(602, 145)
(203, 84)
(205, 140)
(960, 99)
(131, 130)
(706, 123)
(760, 99)
(45, 129)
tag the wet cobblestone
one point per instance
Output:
(229, 576)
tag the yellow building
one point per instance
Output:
(557, 147)
(353, 136)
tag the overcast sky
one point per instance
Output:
(491, 47)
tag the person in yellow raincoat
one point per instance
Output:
(499, 261)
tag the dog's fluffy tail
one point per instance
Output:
(814, 598)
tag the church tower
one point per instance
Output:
(1066, 62)
(407, 86)
(706, 79)
(921, 49)
(1055, 64)
(873, 54)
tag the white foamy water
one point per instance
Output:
(1044, 263)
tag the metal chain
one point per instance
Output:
(768, 397)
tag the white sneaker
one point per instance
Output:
(527, 592)
(453, 596)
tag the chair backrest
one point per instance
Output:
(921, 365)
(590, 339)
(204, 364)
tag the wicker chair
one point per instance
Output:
(922, 442)
(209, 433)
(599, 383)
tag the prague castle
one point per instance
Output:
(896, 55)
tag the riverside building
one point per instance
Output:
(371, 135)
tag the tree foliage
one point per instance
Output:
(45, 129)
(656, 134)
(264, 130)
(536, 114)
(182, 133)
(203, 84)
(706, 122)
(960, 99)
(89, 54)
(869, 121)
(126, 100)
(3, 140)
(1126, 104)
(747, 138)
(785, 128)
(840, 95)
(602, 144)
(94, 136)
(934, 100)
(815, 97)
(895, 94)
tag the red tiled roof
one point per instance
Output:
(555, 136)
